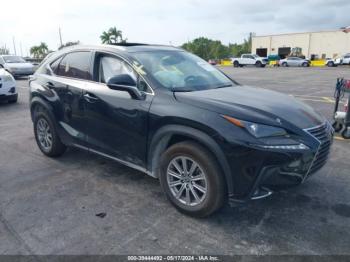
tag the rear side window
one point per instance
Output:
(75, 65)
(54, 65)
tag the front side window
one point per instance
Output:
(110, 66)
(75, 65)
(180, 71)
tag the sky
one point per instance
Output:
(173, 22)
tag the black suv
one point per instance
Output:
(170, 114)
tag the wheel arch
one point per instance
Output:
(171, 134)
(38, 101)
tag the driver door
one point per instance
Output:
(117, 124)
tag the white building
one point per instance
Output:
(323, 44)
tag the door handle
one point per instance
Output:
(50, 85)
(90, 98)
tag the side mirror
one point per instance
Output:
(124, 82)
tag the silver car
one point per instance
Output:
(16, 65)
(294, 61)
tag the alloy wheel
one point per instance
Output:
(44, 134)
(187, 181)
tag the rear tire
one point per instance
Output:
(236, 64)
(199, 197)
(46, 134)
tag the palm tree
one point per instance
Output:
(43, 49)
(34, 51)
(39, 51)
(112, 36)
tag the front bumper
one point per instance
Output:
(258, 173)
(8, 97)
(21, 72)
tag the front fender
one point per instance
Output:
(162, 137)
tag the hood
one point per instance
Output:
(19, 65)
(254, 104)
(2, 71)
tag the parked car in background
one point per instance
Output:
(16, 65)
(330, 62)
(8, 90)
(213, 61)
(344, 60)
(170, 114)
(294, 61)
(250, 59)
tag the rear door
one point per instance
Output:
(70, 75)
(117, 124)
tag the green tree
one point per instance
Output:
(239, 49)
(69, 44)
(207, 48)
(39, 51)
(4, 50)
(112, 36)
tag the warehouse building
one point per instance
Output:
(314, 45)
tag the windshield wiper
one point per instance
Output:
(181, 90)
(227, 85)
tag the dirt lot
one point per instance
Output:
(49, 206)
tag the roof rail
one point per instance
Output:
(127, 44)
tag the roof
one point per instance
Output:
(300, 33)
(127, 47)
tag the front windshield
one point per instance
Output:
(13, 59)
(180, 71)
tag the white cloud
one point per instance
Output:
(161, 21)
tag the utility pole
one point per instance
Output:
(59, 31)
(14, 45)
(20, 46)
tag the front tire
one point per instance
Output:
(258, 64)
(46, 135)
(284, 64)
(191, 179)
(330, 64)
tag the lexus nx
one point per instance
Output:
(170, 114)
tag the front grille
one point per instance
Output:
(324, 134)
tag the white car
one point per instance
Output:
(8, 91)
(249, 59)
(344, 60)
(16, 65)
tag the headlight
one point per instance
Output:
(257, 130)
(7, 78)
(260, 131)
